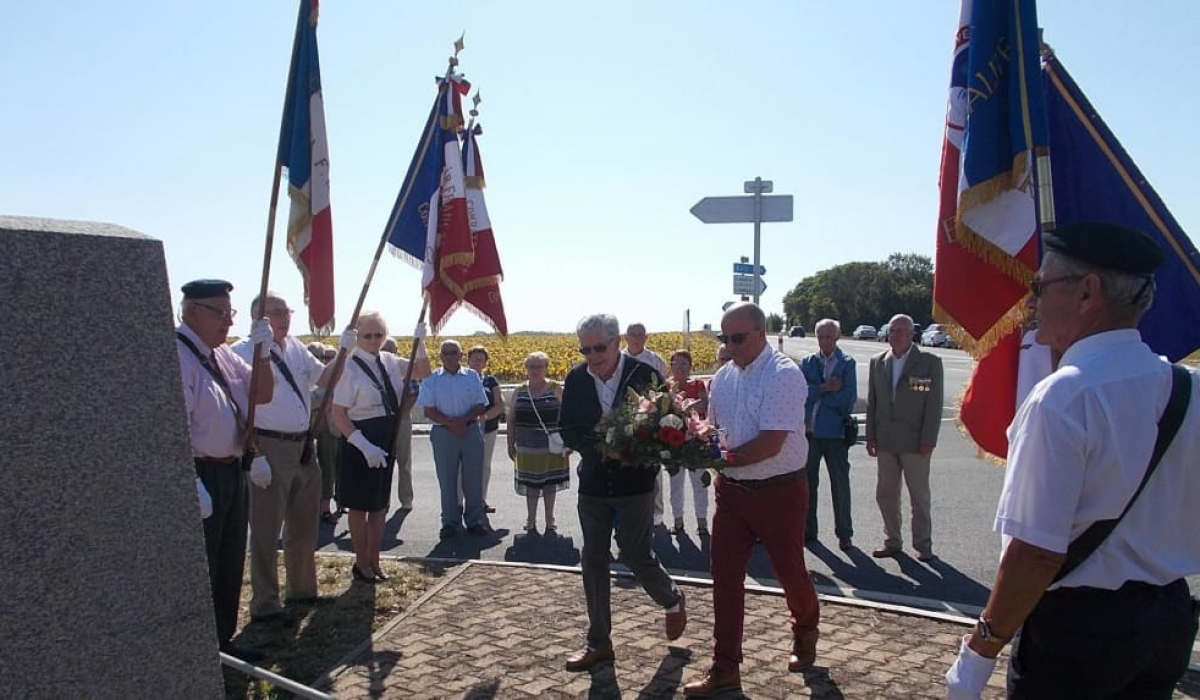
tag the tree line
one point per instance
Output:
(869, 293)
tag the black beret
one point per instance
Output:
(1111, 246)
(206, 289)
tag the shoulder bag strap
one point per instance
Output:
(210, 365)
(287, 374)
(383, 394)
(1083, 546)
(533, 403)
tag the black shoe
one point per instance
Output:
(314, 601)
(247, 654)
(488, 509)
(268, 617)
(480, 530)
(360, 576)
(447, 532)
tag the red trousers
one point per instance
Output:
(775, 515)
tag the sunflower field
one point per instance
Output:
(506, 356)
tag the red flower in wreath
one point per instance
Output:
(644, 433)
(673, 437)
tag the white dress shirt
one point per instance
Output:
(452, 394)
(606, 390)
(898, 362)
(769, 394)
(1078, 448)
(287, 412)
(651, 358)
(212, 423)
(358, 393)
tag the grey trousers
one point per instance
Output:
(914, 469)
(632, 517)
(402, 453)
(459, 457)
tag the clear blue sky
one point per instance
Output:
(604, 123)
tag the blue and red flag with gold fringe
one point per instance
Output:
(304, 151)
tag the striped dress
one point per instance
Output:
(537, 467)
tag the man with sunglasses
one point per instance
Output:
(288, 492)
(217, 394)
(757, 402)
(1113, 618)
(610, 494)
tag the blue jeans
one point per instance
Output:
(836, 454)
(455, 457)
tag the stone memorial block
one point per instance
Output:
(104, 587)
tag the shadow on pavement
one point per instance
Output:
(937, 580)
(604, 682)
(669, 675)
(536, 548)
(391, 529)
(464, 545)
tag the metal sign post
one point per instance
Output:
(755, 209)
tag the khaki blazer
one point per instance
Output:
(910, 418)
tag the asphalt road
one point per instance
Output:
(965, 491)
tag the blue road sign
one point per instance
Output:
(748, 269)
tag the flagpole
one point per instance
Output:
(1042, 176)
(340, 362)
(251, 444)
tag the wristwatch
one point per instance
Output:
(983, 630)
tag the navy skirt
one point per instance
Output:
(360, 487)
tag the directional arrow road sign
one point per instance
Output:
(748, 269)
(740, 210)
(744, 284)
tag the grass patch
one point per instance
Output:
(308, 640)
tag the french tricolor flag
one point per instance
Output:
(304, 151)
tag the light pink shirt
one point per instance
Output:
(769, 394)
(212, 423)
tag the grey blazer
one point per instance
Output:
(910, 418)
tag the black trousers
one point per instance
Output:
(225, 540)
(1134, 642)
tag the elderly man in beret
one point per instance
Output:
(1095, 610)
(217, 394)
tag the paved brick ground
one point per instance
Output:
(503, 632)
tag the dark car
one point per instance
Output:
(796, 332)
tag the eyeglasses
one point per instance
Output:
(451, 353)
(222, 313)
(1038, 285)
(735, 338)
(589, 349)
(280, 312)
(533, 367)
(373, 335)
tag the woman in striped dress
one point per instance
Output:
(532, 420)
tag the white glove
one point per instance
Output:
(262, 336)
(376, 456)
(349, 339)
(206, 508)
(420, 331)
(970, 673)
(260, 472)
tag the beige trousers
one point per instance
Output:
(292, 502)
(914, 469)
(402, 453)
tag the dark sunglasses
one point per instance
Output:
(589, 349)
(371, 336)
(1038, 285)
(735, 338)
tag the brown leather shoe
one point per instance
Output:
(885, 552)
(585, 658)
(715, 682)
(675, 622)
(804, 651)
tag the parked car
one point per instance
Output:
(864, 332)
(882, 335)
(796, 332)
(936, 336)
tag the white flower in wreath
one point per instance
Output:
(611, 436)
(671, 421)
(628, 430)
(665, 454)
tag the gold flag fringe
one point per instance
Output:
(1018, 178)
(1012, 320)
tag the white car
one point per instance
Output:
(864, 332)
(936, 336)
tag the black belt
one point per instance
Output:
(290, 437)
(439, 425)
(760, 484)
(217, 460)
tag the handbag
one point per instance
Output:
(849, 430)
(1083, 546)
(554, 442)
